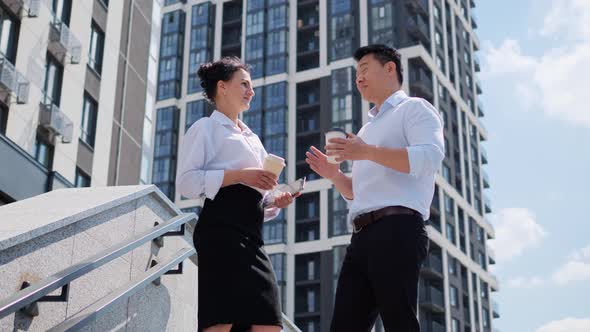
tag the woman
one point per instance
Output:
(221, 160)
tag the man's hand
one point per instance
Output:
(351, 148)
(259, 178)
(318, 162)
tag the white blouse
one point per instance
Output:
(211, 146)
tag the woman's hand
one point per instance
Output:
(259, 178)
(285, 199)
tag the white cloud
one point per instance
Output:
(567, 325)
(516, 231)
(576, 268)
(568, 19)
(555, 82)
(524, 282)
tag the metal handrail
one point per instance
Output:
(36, 291)
(94, 311)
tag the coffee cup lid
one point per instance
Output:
(275, 158)
(337, 129)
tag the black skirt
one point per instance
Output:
(237, 284)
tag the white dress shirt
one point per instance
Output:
(401, 122)
(211, 146)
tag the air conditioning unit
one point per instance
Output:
(22, 92)
(53, 119)
(33, 10)
(7, 76)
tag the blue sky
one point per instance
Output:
(536, 80)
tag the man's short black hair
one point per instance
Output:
(383, 54)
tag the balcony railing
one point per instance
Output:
(478, 86)
(12, 82)
(495, 309)
(53, 119)
(480, 112)
(432, 298)
(22, 8)
(487, 204)
(491, 255)
(437, 327)
(486, 178)
(63, 44)
(433, 266)
(476, 62)
(418, 6)
(418, 27)
(473, 20)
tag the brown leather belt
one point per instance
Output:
(368, 218)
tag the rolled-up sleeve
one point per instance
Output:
(424, 132)
(193, 180)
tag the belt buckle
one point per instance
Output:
(356, 230)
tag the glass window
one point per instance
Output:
(82, 179)
(450, 232)
(53, 81)
(95, 52)
(44, 152)
(338, 214)
(454, 325)
(171, 54)
(201, 47)
(61, 10)
(454, 296)
(9, 31)
(89, 116)
(307, 209)
(3, 119)
(342, 30)
(165, 149)
(196, 110)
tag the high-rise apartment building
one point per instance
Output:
(76, 79)
(303, 73)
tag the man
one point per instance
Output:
(396, 155)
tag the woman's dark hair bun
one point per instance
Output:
(221, 70)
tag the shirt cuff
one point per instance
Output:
(213, 181)
(271, 213)
(416, 159)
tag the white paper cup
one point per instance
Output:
(334, 133)
(274, 164)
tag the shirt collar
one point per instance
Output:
(227, 122)
(392, 101)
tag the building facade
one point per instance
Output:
(76, 79)
(303, 73)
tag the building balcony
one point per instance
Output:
(486, 179)
(472, 3)
(418, 7)
(54, 120)
(495, 309)
(487, 204)
(432, 299)
(478, 86)
(418, 28)
(22, 8)
(421, 83)
(34, 179)
(12, 83)
(484, 155)
(63, 45)
(491, 255)
(437, 327)
(433, 267)
(476, 62)
(480, 112)
(473, 20)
